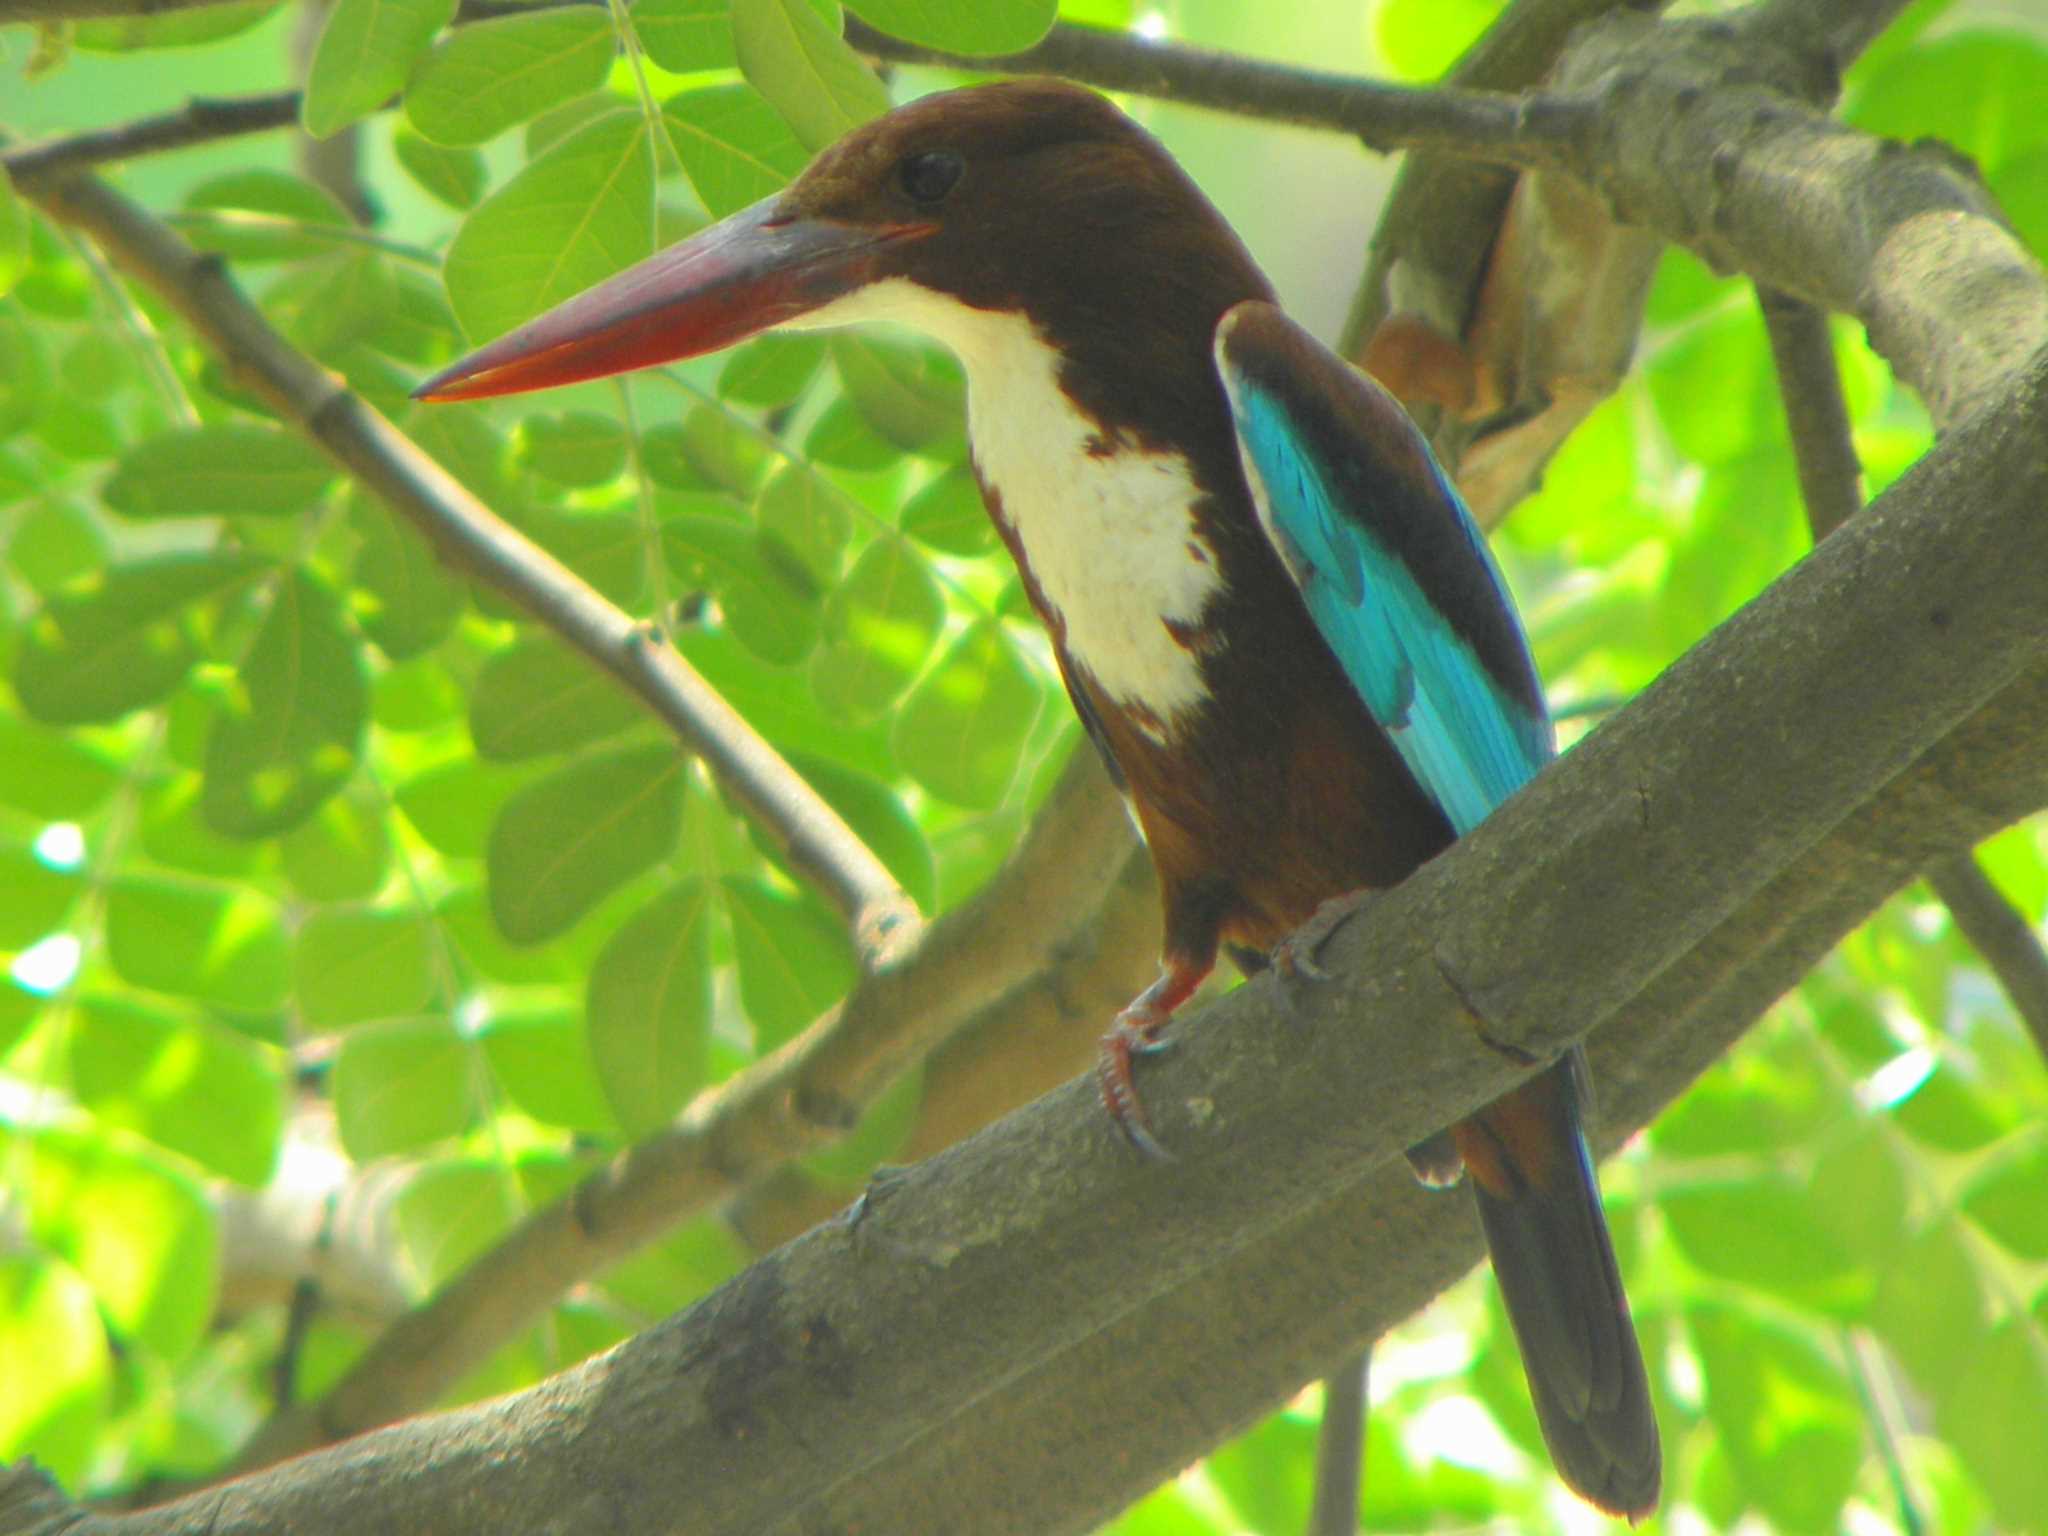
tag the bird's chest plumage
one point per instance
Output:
(1117, 562)
(1109, 534)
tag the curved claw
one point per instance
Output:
(1135, 1033)
(1295, 955)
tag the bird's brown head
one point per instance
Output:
(1031, 196)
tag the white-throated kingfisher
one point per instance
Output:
(1272, 612)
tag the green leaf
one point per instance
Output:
(340, 852)
(770, 370)
(490, 75)
(452, 176)
(24, 375)
(1762, 1232)
(843, 438)
(1859, 1195)
(353, 964)
(466, 918)
(52, 776)
(1998, 1401)
(1260, 1474)
(184, 1082)
(289, 215)
(403, 597)
(1929, 1307)
(1786, 1415)
(879, 627)
(54, 544)
(543, 1061)
(2010, 1201)
(290, 734)
(949, 515)
(818, 84)
(565, 842)
(686, 35)
(453, 805)
(1420, 39)
(1948, 1111)
(176, 835)
(607, 550)
(794, 959)
(578, 448)
(219, 943)
(365, 52)
(721, 452)
(574, 216)
(1979, 91)
(539, 698)
(123, 639)
(14, 250)
(450, 1213)
(913, 395)
(805, 517)
(769, 600)
(228, 470)
(649, 1008)
(401, 1085)
(961, 733)
(34, 897)
(986, 28)
(60, 1374)
(734, 146)
(139, 1232)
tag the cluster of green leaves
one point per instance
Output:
(290, 809)
(292, 813)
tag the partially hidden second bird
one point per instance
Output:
(1273, 614)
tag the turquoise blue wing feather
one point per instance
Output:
(1394, 572)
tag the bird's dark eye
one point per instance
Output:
(930, 176)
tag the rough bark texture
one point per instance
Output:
(1665, 882)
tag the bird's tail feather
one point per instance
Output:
(1540, 1207)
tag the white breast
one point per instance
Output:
(1110, 537)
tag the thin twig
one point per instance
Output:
(1340, 1449)
(2002, 937)
(202, 120)
(773, 794)
(1816, 413)
(1384, 117)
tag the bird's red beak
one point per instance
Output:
(762, 266)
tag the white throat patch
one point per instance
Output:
(1110, 536)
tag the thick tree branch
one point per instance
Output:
(1715, 832)
(1440, 219)
(803, 1096)
(1704, 141)
(1831, 484)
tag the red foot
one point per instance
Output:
(1296, 954)
(1136, 1033)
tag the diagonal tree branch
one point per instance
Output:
(805, 1095)
(1714, 836)
(1831, 483)
(463, 530)
(202, 120)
